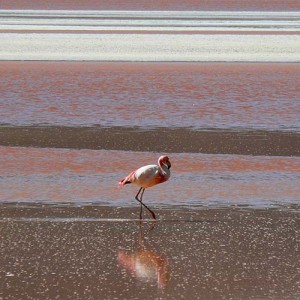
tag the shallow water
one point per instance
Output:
(87, 176)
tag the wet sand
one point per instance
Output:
(92, 252)
(176, 140)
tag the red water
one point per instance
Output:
(198, 95)
(265, 5)
(80, 176)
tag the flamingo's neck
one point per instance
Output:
(164, 169)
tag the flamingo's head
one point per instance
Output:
(164, 160)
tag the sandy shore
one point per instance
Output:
(160, 139)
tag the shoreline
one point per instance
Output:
(70, 211)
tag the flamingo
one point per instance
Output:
(148, 176)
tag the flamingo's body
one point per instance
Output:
(148, 176)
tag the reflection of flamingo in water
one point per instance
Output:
(146, 265)
(148, 176)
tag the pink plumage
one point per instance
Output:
(148, 176)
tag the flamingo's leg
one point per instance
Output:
(137, 198)
(141, 201)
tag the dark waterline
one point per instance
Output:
(176, 140)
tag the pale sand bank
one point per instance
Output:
(154, 47)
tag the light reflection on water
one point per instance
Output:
(222, 254)
(202, 95)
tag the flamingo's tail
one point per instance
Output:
(123, 181)
(128, 179)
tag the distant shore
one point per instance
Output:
(150, 36)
